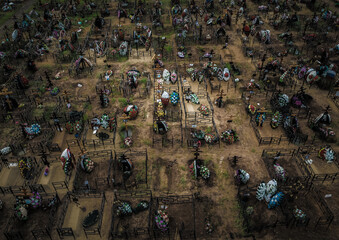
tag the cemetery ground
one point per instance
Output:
(161, 174)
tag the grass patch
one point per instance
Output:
(141, 174)
(88, 106)
(143, 81)
(147, 142)
(168, 48)
(123, 102)
(209, 129)
(228, 65)
(225, 175)
(85, 117)
(183, 181)
(121, 58)
(253, 150)
(6, 16)
(201, 49)
(169, 34)
(183, 168)
(122, 131)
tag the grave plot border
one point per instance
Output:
(126, 90)
(97, 143)
(38, 166)
(99, 181)
(174, 200)
(62, 185)
(171, 116)
(194, 118)
(106, 86)
(165, 141)
(268, 155)
(18, 189)
(37, 147)
(38, 232)
(74, 143)
(323, 220)
(97, 231)
(267, 140)
(116, 170)
(316, 139)
(243, 207)
(47, 232)
(136, 232)
(68, 232)
(327, 216)
(314, 178)
(77, 100)
(257, 96)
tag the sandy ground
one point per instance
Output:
(168, 167)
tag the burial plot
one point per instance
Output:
(7, 201)
(308, 208)
(256, 215)
(82, 216)
(198, 110)
(55, 179)
(282, 166)
(93, 171)
(101, 132)
(165, 167)
(173, 214)
(266, 127)
(167, 114)
(20, 171)
(201, 171)
(206, 223)
(36, 218)
(130, 169)
(131, 215)
(317, 168)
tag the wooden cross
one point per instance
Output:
(24, 193)
(196, 153)
(234, 160)
(5, 92)
(221, 93)
(262, 110)
(230, 120)
(66, 94)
